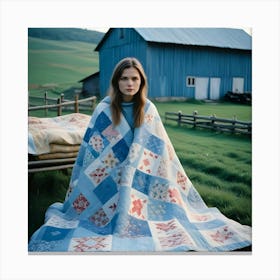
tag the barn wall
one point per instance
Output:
(114, 49)
(168, 65)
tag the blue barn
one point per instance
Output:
(199, 63)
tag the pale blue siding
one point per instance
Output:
(116, 48)
(168, 65)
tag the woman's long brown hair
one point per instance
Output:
(116, 95)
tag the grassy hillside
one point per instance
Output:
(72, 34)
(59, 64)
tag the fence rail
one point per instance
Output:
(48, 165)
(61, 103)
(211, 122)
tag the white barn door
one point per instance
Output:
(238, 85)
(215, 88)
(201, 88)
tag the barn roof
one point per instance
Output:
(211, 37)
(89, 77)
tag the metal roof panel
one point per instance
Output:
(213, 37)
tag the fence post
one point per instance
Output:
(93, 103)
(194, 118)
(59, 107)
(62, 97)
(233, 124)
(249, 128)
(46, 102)
(76, 103)
(179, 118)
(213, 121)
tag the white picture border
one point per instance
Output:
(262, 19)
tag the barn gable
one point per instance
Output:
(200, 63)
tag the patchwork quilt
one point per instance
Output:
(129, 193)
(51, 136)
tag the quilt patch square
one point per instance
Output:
(53, 233)
(141, 181)
(157, 210)
(99, 218)
(87, 159)
(96, 143)
(88, 134)
(109, 161)
(163, 168)
(159, 190)
(91, 244)
(102, 122)
(111, 134)
(120, 150)
(170, 235)
(220, 236)
(80, 203)
(59, 222)
(106, 190)
(46, 246)
(155, 144)
(98, 175)
(138, 206)
(149, 162)
(132, 227)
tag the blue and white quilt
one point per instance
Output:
(129, 193)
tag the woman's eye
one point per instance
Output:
(134, 79)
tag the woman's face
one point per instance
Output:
(129, 83)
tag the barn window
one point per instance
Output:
(190, 81)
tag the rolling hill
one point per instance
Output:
(59, 64)
(66, 34)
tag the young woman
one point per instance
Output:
(128, 190)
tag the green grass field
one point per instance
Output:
(221, 109)
(59, 64)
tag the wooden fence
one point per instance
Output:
(211, 122)
(57, 104)
(49, 165)
(62, 103)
